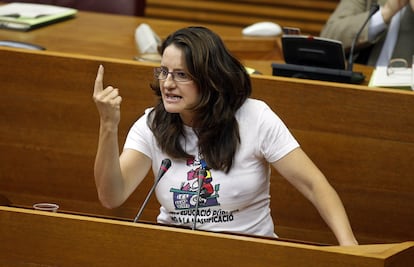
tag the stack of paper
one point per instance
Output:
(398, 78)
(24, 16)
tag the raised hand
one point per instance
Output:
(391, 7)
(108, 101)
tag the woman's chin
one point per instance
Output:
(171, 109)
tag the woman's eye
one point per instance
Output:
(181, 74)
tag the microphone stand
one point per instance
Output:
(372, 11)
(165, 165)
(201, 176)
(146, 200)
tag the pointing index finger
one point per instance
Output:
(99, 80)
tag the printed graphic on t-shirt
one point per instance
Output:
(185, 198)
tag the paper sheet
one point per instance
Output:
(400, 77)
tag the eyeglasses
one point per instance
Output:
(177, 75)
(397, 66)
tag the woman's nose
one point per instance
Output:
(169, 81)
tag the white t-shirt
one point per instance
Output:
(238, 201)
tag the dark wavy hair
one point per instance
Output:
(224, 86)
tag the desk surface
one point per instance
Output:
(112, 36)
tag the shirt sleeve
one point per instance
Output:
(140, 136)
(276, 140)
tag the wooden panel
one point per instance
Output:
(310, 16)
(301, 4)
(360, 137)
(50, 126)
(33, 238)
(340, 108)
(363, 147)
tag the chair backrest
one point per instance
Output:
(124, 7)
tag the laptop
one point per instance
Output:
(315, 58)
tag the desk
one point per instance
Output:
(362, 139)
(109, 35)
(33, 238)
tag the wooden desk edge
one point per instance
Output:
(332, 84)
(78, 56)
(380, 251)
(150, 226)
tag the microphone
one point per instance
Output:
(202, 173)
(165, 165)
(373, 10)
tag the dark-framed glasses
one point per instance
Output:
(161, 74)
(397, 66)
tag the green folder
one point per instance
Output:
(24, 16)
